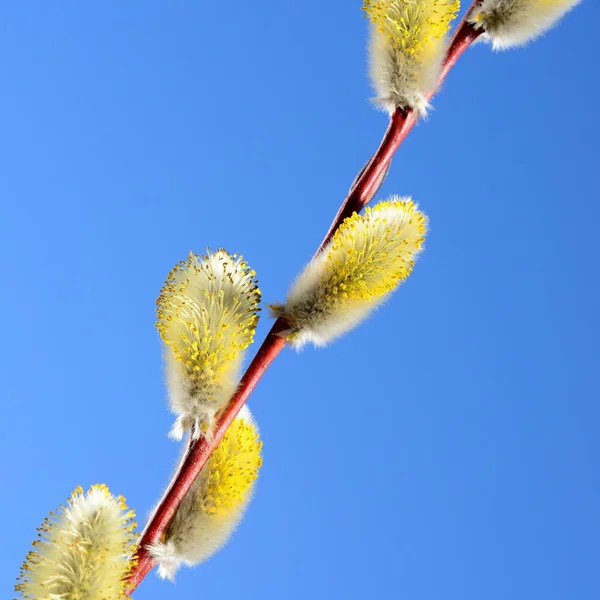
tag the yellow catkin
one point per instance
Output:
(367, 257)
(207, 315)
(407, 47)
(215, 504)
(83, 551)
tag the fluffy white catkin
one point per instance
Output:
(207, 314)
(366, 259)
(407, 48)
(510, 23)
(83, 550)
(216, 502)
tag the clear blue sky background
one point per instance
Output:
(448, 448)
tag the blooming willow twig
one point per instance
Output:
(198, 453)
(207, 316)
(361, 193)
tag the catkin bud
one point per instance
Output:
(215, 504)
(83, 550)
(366, 259)
(407, 48)
(510, 23)
(207, 315)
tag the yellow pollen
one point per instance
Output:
(232, 468)
(412, 26)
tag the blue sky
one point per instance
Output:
(446, 449)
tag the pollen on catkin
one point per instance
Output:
(207, 315)
(216, 502)
(83, 551)
(366, 259)
(407, 47)
(510, 23)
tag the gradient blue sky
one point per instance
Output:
(446, 449)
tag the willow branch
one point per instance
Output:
(361, 193)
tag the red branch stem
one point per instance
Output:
(366, 186)
(465, 35)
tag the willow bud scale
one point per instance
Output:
(207, 314)
(408, 42)
(367, 258)
(83, 551)
(216, 502)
